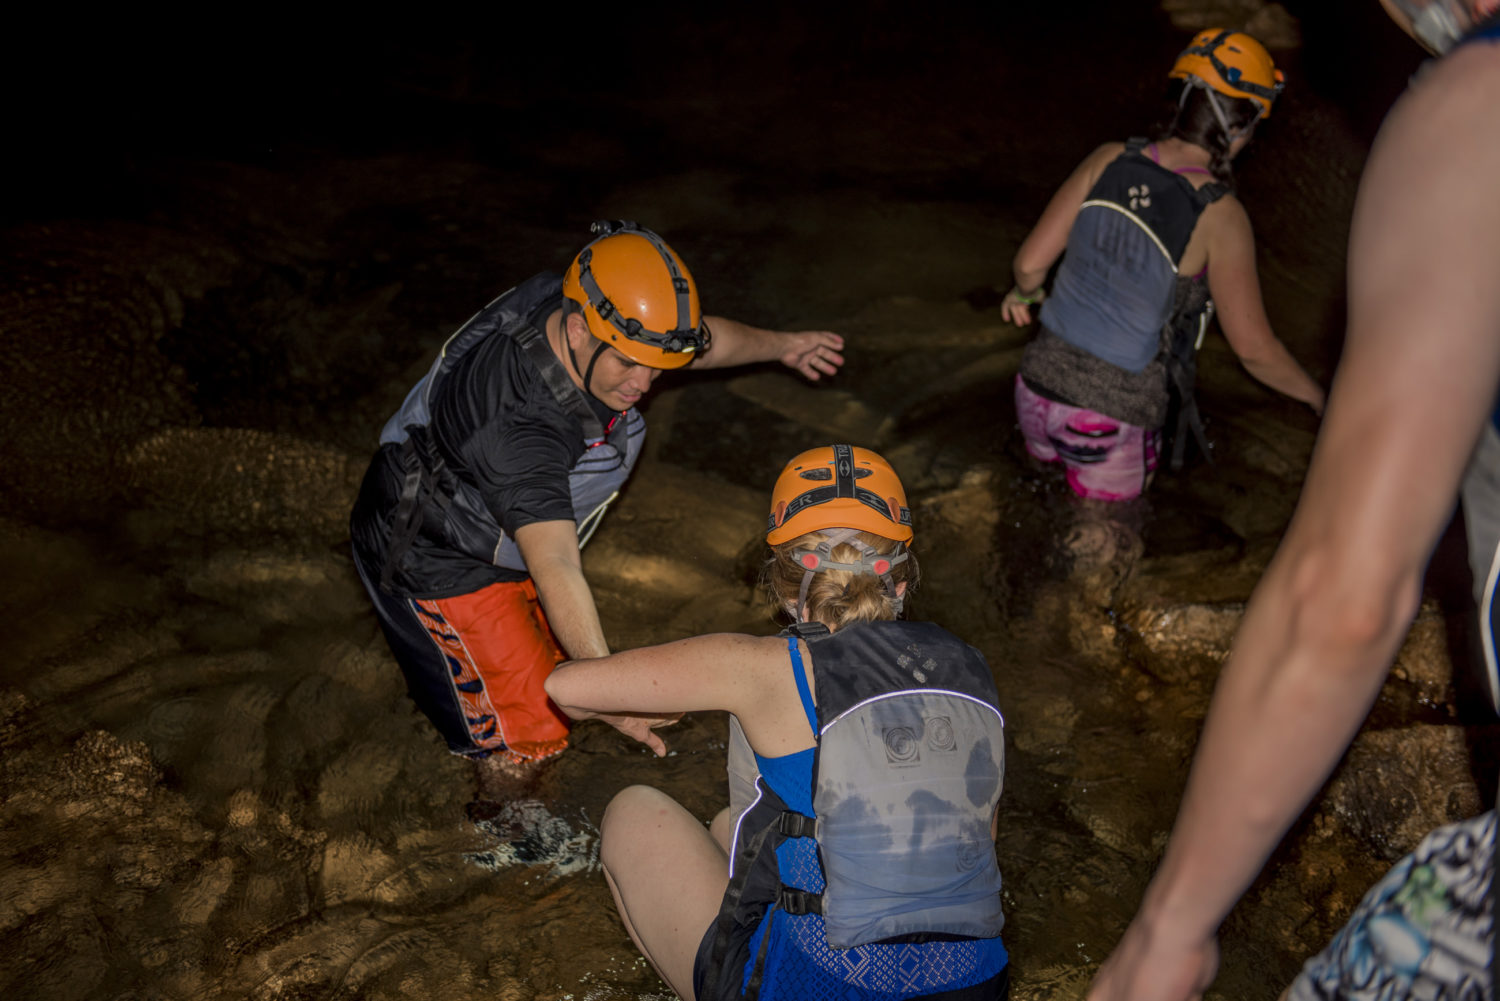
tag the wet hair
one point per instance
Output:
(1193, 121)
(837, 598)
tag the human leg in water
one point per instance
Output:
(668, 877)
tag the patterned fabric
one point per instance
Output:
(800, 964)
(1106, 459)
(498, 651)
(1426, 931)
(475, 664)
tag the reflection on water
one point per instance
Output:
(213, 783)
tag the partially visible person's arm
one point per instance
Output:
(659, 683)
(814, 353)
(550, 549)
(1049, 237)
(1235, 286)
(1417, 381)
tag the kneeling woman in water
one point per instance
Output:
(856, 859)
(1144, 225)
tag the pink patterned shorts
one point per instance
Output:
(1106, 459)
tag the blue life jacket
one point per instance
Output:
(907, 773)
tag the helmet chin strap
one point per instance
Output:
(586, 374)
(1213, 102)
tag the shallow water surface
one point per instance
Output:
(213, 783)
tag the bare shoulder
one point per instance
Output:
(1430, 180)
(1471, 72)
(1225, 217)
(1450, 107)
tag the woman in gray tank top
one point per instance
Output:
(1154, 239)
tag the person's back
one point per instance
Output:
(866, 762)
(896, 764)
(1149, 232)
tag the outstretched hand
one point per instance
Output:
(1144, 968)
(641, 728)
(814, 353)
(1016, 308)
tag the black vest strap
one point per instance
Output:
(797, 825)
(806, 630)
(1179, 353)
(422, 476)
(724, 924)
(795, 901)
(534, 343)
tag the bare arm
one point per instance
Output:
(1235, 286)
(1049, 237)
(1418, 379)
(746, 675)
(814, 353)
(550, 549)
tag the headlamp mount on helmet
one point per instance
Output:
(678, 340)
(1233, 75)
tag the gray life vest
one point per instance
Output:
(1116, 287)
(908, 771)
(438, 501)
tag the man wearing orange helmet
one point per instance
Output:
(1413, 406)
(856, 858)
(1154, 238)
(501, 462)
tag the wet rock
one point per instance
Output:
(356, 781)
(417, 961)
(833, 414)
(70, 411)
(1396, 785)
(1423, 661)
(646, 558)
(101, 773)
(1090, 630)
(352, 867)
(1049, 722)
(1185, 643)
(1269, 23)
(55, 590)
(242, 483)
(279, 587)
(204, 895)
(366, 669)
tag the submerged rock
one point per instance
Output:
(1396, 785)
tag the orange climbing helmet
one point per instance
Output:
(838, 486)
(1232, 63)
(637, 296)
